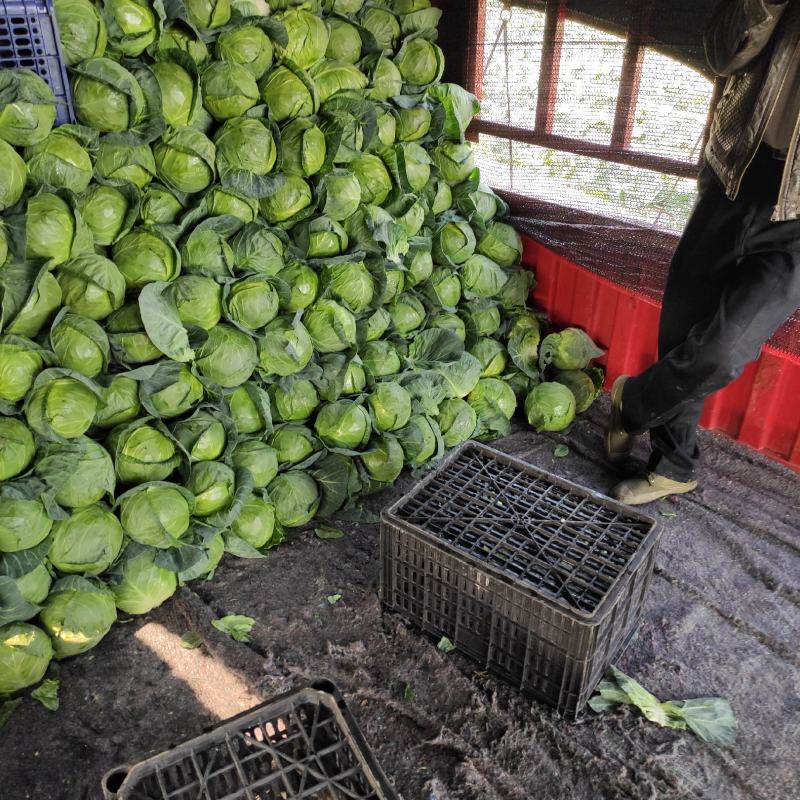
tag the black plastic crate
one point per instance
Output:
(304, 744)
(538, 579)
(29, 40)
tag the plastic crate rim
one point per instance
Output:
(594, 617)
(321, 690)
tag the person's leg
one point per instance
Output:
(751, 285)
(708, 248)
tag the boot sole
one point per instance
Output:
(644, 499)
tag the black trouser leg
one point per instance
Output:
(734, 279)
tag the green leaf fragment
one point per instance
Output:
(561, 451)
(327, 533)
(333, 599)
(408, 693)
(191, 640)
(709, 718)
(445, 645)
(47, 693)
(237, 626)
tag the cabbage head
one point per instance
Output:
(16, 447)
(179, 93)
(60, 161)
(296, 497)
(255, 523)
(144, 256)
(550, 407)
(420, 61)
(457, 421)
(303, 148)
(228, 357)
(293, 443)
(13, 174)
(454, 161)
(343, 423)
(60, 405)
(249, 409)
(77, 614)
(229, 90)
(293, 399)
(258, 458)
(106, 210)
(351, 282)
(332, 327)
(156, 514)
(419, 440)
(252, 302)
(308, 37)
(106, 96)
(142, 453)
(21, 360)
(290, 198)
(288, 94)
(390, 405)
(27, 108)
(212, 483)
(380, 358)
(139, 584)
(248, 46)
(384, 459)
(285, 348)
(185, 160)
(453, 242)
(80, 344)
(120, 402)
(82, 30)
(198, 300)
(572, 348)
(202, 436)
(87, 542)
(25, 654)
(501, 243)
(208, 14)
(80, 471)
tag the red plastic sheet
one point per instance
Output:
(760, 409)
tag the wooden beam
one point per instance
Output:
(631, 77)
(668, 166)
(551, 65)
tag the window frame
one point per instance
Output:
(618, 150)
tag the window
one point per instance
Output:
(587, 113)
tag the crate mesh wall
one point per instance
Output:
(29, 39)
(538, 580)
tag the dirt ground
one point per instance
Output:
(722, 618)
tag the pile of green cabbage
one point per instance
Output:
(258, 278)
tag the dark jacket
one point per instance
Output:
(753, 44)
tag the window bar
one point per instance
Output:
(551, 65)
(581, 147)
(631, 77)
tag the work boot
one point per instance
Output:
(618, 442)
(648, 488)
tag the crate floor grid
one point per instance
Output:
(304, 746)
(570, 547)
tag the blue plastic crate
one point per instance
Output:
(29, 39)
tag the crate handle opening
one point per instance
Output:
(113, 780)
